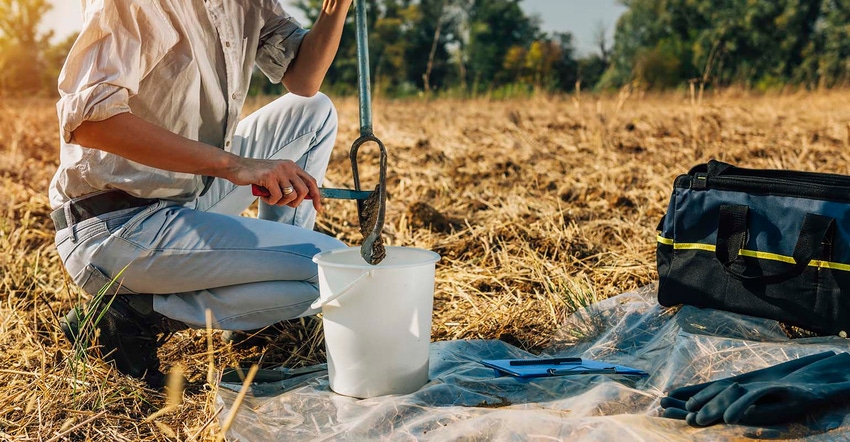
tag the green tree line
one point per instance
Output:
(753, 43)
(473, 47)
(452, 46)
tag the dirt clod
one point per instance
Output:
(423, 216)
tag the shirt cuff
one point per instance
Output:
(277, 52)
(95, 103)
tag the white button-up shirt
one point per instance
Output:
(184, 65)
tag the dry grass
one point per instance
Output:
(537, 207)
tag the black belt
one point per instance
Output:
(96, 204)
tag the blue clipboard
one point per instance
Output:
(530, 368)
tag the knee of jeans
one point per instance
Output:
(321, 104)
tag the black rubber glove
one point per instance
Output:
(771, 395)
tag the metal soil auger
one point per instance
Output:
(371, 206)
(372, 210)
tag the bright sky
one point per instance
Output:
(580, 17)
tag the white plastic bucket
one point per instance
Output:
(377, 319)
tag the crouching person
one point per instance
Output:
(155, 169)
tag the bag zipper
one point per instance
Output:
(793, 184)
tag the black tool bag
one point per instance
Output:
(767, 243)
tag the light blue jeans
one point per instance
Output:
(248, 272)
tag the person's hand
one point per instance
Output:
(287, 184)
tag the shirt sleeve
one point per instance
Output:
(280, 39)
(121, 41)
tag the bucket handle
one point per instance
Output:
(321, 302)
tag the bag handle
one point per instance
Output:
(731, 236)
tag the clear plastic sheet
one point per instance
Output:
(466, 401)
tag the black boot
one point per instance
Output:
(129, 330)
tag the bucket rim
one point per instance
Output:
(429, 257)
